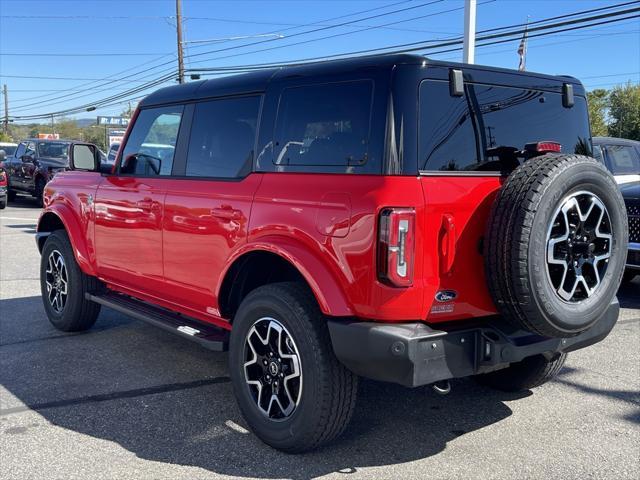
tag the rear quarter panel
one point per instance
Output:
(333, 218)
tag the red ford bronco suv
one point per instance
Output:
(390, 217)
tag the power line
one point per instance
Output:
(422, 45)
(427, 45)
(299, 33)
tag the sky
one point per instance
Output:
(88, 45)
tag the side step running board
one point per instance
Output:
(208, 336)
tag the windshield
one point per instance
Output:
(9, 149)
(59, 150)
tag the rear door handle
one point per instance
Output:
(148, 204)
(226, 213)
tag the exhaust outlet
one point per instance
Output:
(442, 388)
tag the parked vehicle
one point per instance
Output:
(3, 189)
(35, 162)
(631, 195)
(390, 217)
(8, 148)
(111, 154)
(621, 156)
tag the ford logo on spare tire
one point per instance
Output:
(446, 295)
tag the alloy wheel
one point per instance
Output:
(56, 281)
(272, 368)
(578, 246)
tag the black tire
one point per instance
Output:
(524, 375)
(77, 313)
(3, 204)
(11, 195)
(517, 233)
(39, 190)
(328, 394)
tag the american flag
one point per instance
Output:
(522, 51)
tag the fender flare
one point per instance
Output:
(74, 232)
(323, 283)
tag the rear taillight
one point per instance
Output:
(396, 246)
(543, 147)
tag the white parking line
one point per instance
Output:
(19, 218)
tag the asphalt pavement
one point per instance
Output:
(125, 400)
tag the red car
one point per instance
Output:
(390, 217)
(3, 189)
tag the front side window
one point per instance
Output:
(150, 149)
(22, 148)
(222, 138)
(623, 159)
(322, 125)
(488, 127)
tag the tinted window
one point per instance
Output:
(58, 150)
(488, 127)
(324, 124)
(151, 145)
(623, 159)
(222, 138)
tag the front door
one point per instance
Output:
(207, 211)
(129, 208)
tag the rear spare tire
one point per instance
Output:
(556, 244)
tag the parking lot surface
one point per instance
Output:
(126, 400)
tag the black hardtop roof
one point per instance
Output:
(615, 141)
(259, 80)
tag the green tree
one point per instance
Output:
(4, 137)
(598, 101)
(624, 111)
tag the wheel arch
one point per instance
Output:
(60, 218)
(276, 263)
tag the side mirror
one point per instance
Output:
(84, 156)
(3, 155)
(26, 158)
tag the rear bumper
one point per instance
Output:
(414, 354)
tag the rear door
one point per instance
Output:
(623, 161)
(129, 204)
(207, 206)
(468, 145)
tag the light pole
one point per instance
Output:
(469, 43)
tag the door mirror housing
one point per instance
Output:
(26, 158)
(85, 157)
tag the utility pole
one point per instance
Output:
(179, 34)
(469, 44)
(6, 109)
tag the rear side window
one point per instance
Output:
(623, 159)
(485, 129)
(150, 149)
(324, 125)
(223, 137)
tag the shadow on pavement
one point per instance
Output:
(24, 201)
(629, 294)
(168, 400)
